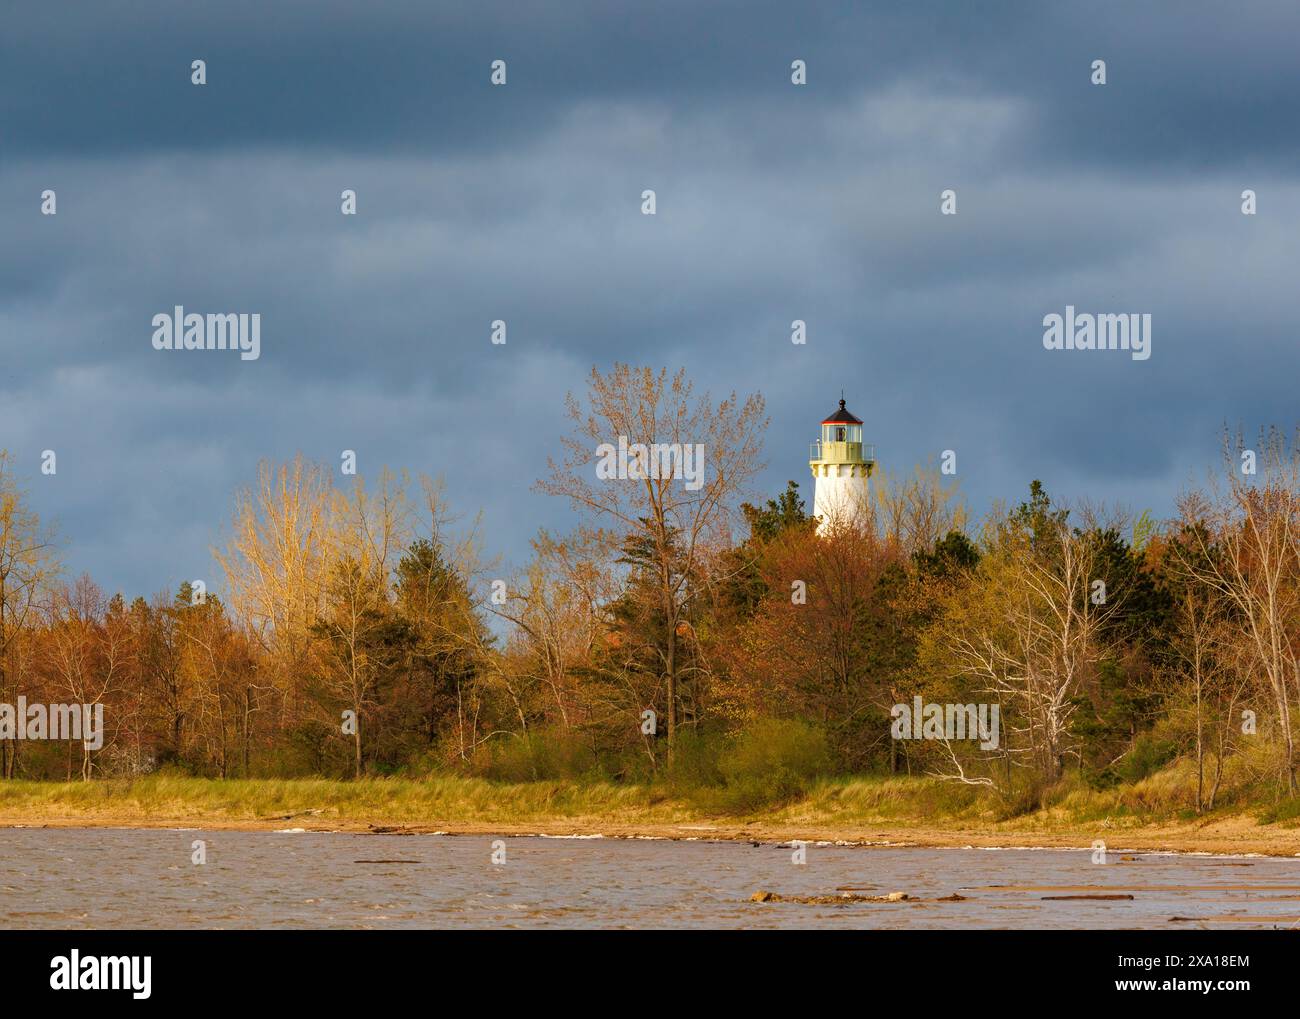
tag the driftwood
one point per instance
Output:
(289, 817)
(378, 829)
(846, 897)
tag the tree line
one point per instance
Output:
(678, 630)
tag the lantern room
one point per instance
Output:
(841, 440)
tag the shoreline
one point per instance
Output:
(881, 812)
(1216, 839)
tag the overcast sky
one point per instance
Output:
(775, 202)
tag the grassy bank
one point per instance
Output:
(1148, 815)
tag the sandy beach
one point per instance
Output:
(1229, 836)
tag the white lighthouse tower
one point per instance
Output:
(842, 466)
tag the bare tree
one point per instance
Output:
(278, 561)
(917, 512)
(1242, 541)
(656, 502)
(1027, 631)
(367, 534)
(27, 565)
(557, 605)
(84, 657)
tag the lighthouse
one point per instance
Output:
(842, 466)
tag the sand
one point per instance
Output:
(1233, 835)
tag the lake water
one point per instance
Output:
(113, 878)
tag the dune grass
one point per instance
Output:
(828, 803)
(376, 800)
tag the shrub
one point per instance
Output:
(772, 761)
(1287, 810)
(538, 755)
(1149, 755)
(695, 761)
(1024, 795)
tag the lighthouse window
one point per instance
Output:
(839, 435)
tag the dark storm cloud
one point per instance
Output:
(1198, 83)
(775, 203)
